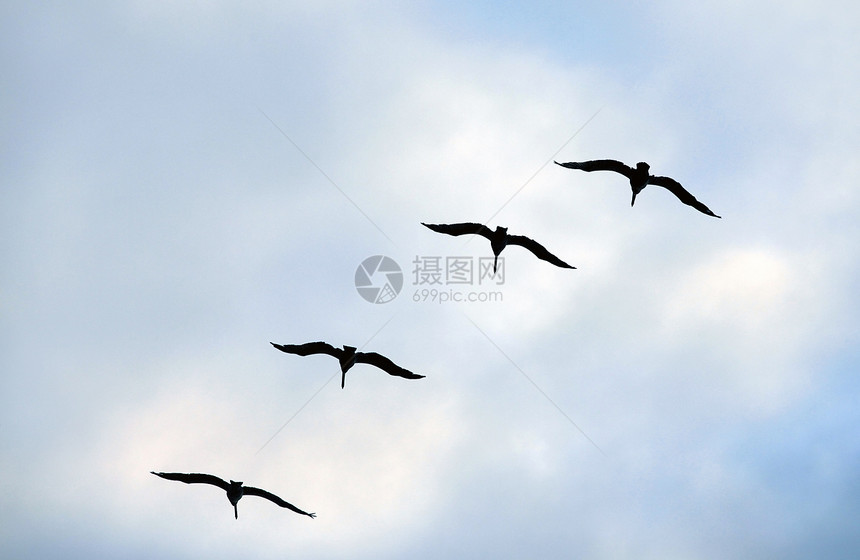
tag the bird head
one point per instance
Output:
(235, 483)
(642, 166)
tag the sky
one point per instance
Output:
(182, 183)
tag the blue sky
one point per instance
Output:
(689, 391)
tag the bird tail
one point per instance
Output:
(632, 200)
(236, 510)
(495, 263)
(342, 379)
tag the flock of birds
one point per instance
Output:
(499, 238)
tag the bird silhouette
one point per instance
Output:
(347, 357)
(640, 178)
(234, 489)
(499, 239)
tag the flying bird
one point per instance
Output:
(348, 357)
(640, 178)
(499, 239)
(234, 489)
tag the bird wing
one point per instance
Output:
(683, 194)
(194, 478)
(461, 229)
(309, 348)
(539, 250)
(600, 165)
(251, 491)
(385, 365)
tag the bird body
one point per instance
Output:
(348, 356)
(346, 360)
(499, 239)
(640, 177)
(235, 490)
(234, 493)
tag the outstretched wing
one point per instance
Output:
(599, 165)
(251, 491)
(539, 250)
(194, 478)
(465, 228)
(683, 194)
(385, 365)
(309, 348)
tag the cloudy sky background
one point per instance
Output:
(690, 391)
